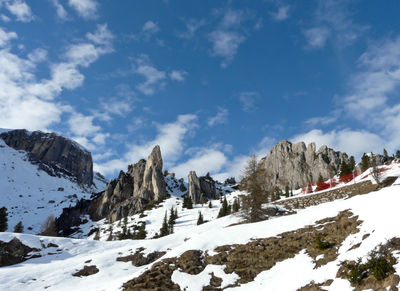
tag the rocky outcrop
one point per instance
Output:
(127, 195)
(296, 165)
(201, 189)
(56, 155)
(15, 252)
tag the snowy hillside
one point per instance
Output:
(367, 221)
(31, 195)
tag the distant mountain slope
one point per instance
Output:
(31, 194)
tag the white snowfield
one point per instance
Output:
(377, 210)
(30, 194)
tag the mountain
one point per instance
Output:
(40, 174)
(296, 165)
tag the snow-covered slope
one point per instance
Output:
(30, 194)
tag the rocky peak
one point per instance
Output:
(201, 188)
(297, 165)
(55, 154)
(142, 183)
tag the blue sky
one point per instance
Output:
(210, 81)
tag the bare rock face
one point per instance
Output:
(15, 252)
(296, 165)
(131, 191)
(55, 154)
(201, 188)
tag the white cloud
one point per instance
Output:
(248, 100)
(205, 160)
(282, 13)
(85, 8)
(192, 26)
(20, 10)
(154, 79)
(220, 118)
(150, 27)
(5, 18)
(317, 36)
(170, 137)
(178, 75)
(225, 44)
(6, 37)
(60, 10)
(82, 125)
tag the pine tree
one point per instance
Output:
(365, 162)
(110, 236)
(287, 191)
(344, 169)
(210, 205)
(19, 227)
(97, 235)
(164, 230)
(171, 220)
(252, 203)
(385, 155)
(200, 219)
(3, 219)
(236, 205)
(352, 164)
(141, 231)
(398, 154)
(225, 209)
(187, 202)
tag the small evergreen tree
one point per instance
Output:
(187, 202)
(110, 236)
(3, 219)
(385, 155)
(200, 219)
(352, 164)
(287, 191)
(398, 154)
(19, 228)
(164, 230)
(171, 220)
(236, 205)
(344, 168)
(97, 235)
(140, 231)
(365, 162)
(209, 204)
(225, 209)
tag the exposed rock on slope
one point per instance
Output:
(201, 188)
(296, 165)
(55, 154)
(127, 195)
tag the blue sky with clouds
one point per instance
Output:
(210, 81)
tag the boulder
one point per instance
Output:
(53, 153)
(15, 252)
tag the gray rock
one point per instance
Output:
(296, 165)
(201, 188)
(15, 252)
(55, 154)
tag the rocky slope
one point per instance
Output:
(55, 154)
(296, 165)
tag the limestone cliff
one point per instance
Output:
(296, 165)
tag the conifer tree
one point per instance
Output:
(19, 227)
(287, 191)
(3, 219)
(398, 154)
(352, 164)
(385, 155)
(252, 203)
(110, 236)
(141, 231)
(365, 162)
(344, 168)
(210, 204)
(200, 219)
(164, 230)
(225, 209)
(187, 202)
(97, 235)
(236, 205)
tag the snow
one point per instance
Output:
(197, 282)
(30, 194)
(377, 211)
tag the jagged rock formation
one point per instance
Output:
(296, 165)
(127, 195)
(201, 188)
(53, 153)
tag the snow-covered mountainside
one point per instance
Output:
(275, 254)
(31, 194)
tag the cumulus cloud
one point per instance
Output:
(192, 26)
(154, 79)
(20, 10)
(60, 10)
(150, 27)
(317, 36)
(6, 37)
(282, 13)
(220, 118)
(170, 137)
(248, 100)
(85, 8)
(178, 75)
